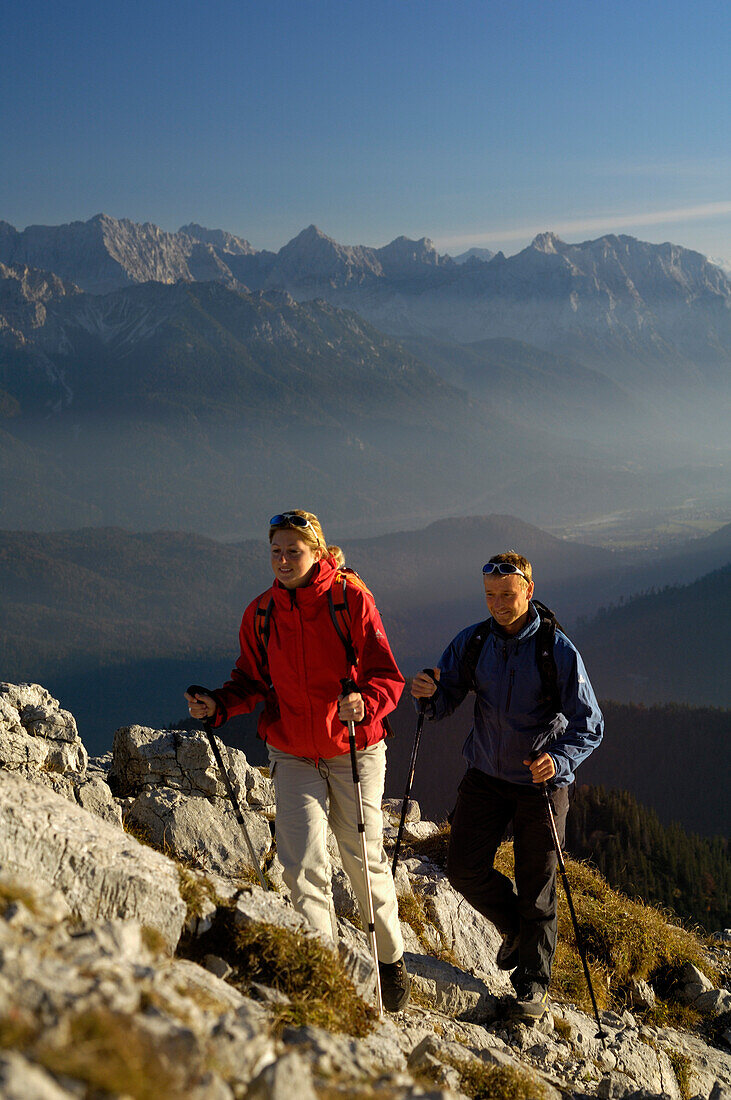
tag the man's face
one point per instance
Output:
(507, 600)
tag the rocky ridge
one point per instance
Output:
(112, 981)
(614, 304)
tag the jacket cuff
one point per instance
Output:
(561, 764)
(221, 715)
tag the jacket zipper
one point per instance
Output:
(499, 745)
(302, 667)
(510, 689)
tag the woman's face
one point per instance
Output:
(293, 560)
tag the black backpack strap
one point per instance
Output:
(545, 655)
(262, 625)
(340, 615)
(473, 649)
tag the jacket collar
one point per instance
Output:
(528, 630)
(321, 582)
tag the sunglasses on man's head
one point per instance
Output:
(289, 519)
(503, 567)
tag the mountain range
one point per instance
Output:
(615, 303)
(143, 374)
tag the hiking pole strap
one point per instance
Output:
(348, 688)
(601, 1034)
(195, 689)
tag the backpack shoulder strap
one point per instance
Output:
(340, 615)
(473, 650)
(339, 610)
(545, 640)
(262, 621)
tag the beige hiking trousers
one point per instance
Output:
(308, 796)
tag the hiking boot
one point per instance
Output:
(507, 955)
(395, 985)
(531, 1001)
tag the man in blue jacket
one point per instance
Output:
(535, 719)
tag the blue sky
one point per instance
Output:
(473, 122)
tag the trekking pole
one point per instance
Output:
(410, 779)
(348, 688)
(196, 689)
(601, 1034)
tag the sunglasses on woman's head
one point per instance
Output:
(503, 567)
(289, 519)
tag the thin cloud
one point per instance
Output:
(607, 223)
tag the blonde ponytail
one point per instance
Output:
(336, 555)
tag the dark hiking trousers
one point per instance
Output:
(485, 806)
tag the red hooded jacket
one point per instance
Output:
(305, 662)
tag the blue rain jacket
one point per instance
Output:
(512, 718)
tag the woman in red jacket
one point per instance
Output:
(295, 667)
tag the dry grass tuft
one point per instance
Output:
(481, 1081)
(309, 973)
(154, 941)
(18, 1029)
(629, 939)
(413, 910)
(568, 981)
(110, 1053)
(11, 892)
(138, 832)
(682, 1067)
(247, 876)
(194, 891)
(562, 1027)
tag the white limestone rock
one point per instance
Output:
(100, 870)
(392, 810)
(36, 734)
(714, 1002)
(276, 1081)
(420, 830)
(93, 794)
(202, 830)
(20, 1079)
(473, 939)
(352, 1060)
(184, 761)
(710, 1067)
(267, 907)
(639, 1067)
(450, 990)
(691, 983)
(641, 994)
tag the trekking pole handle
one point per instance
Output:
(348, 685)
(196, 689)
(430, 673)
